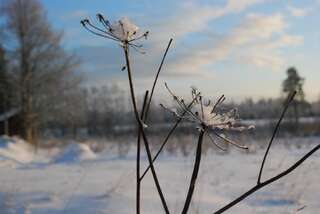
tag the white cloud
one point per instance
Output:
(298, 12)
(77, 14)
(263, 59)
(283, 40)
(193, 18)
(255, 41)
(239, 5)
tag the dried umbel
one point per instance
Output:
(206, 116)
(123, 31)
(127, 34)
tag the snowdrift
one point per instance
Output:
(18, 151)
(75, 152)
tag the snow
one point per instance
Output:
(15, 149)
(75, 152)
(105, 183)
(18, 152)
(124, 29)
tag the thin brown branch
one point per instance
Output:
(151, 95)
(269, 181)
(162, 146)
(141, 127)
(230, 141)
(260, 184)
(289, 100)
(138, 187)
(214, 143)
(169, 135)
(194, 173)
(157, 76)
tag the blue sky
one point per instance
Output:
(240, 48)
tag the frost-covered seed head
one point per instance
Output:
(123, 30)
(206, 116)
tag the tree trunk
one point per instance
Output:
(74, 131)
(6, 127)
(296, 115)
(29, 134)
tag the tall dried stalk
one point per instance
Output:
(194, 173)
(261, 184)
(125, 33)
(141, 128)
(146, 107)
(143, 115)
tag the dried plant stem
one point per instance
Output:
(162, 146)
(289, 100)
(271, 180)
(141, 127)
(260, 184)
(167, 138)
(152, 92)
(157, 76)
(143, 113)
(194, 173)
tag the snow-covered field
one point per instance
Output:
(76, 180)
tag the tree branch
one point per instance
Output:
(151, 95)
(194, 173)
(168, 136)
(269, 181)
(260, 184)
(141, 127)
(289, 100)
(142, 115)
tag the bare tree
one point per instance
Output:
(41, 67)
(4, 90)
(71, 114)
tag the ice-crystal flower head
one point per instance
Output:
(123, 31)
(206, 115)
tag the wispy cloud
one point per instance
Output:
(267, 55)
(254, 41)
(298, 12)
(77, 14)
(194, 18)
(189, 19)
(213, 41)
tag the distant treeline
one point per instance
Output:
(106, 111)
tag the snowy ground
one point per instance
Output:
(75, 180)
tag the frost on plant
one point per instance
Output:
(123, 31)
(206, 115)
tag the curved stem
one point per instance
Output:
(173, 128)
(271, 180)
(161, 147)
(138, 187)
(150, 99)
(141, 127)
(290, 98)
(157, 76)
(194, 174)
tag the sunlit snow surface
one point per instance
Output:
(76, 180)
